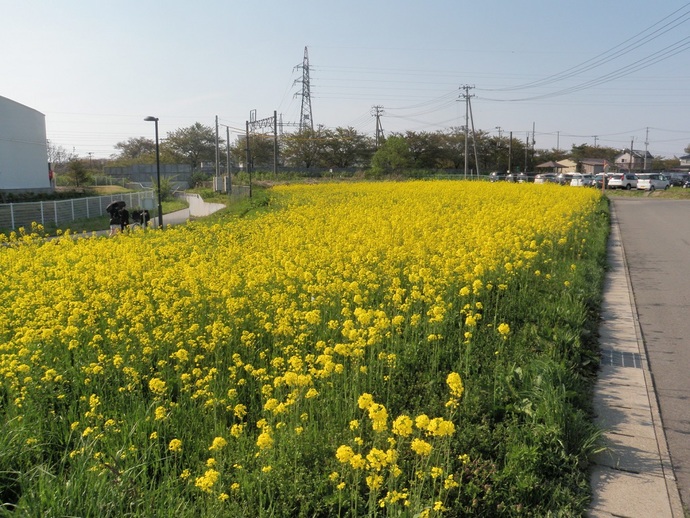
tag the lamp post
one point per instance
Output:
(158, 172)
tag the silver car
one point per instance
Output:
(652, 182)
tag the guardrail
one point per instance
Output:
(61, 212)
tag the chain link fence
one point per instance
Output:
(62, 212)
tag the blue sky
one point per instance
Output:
(598, 72)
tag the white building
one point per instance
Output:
(23, 148)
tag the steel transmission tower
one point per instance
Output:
(305, 118)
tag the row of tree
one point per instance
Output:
(343, 148)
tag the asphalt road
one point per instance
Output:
(656, 238)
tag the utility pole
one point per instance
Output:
(248, 162)
(305, 119)
(217, 156)
(227, 158)
(510, 153)
(378, 112)
(533, 143)
(526, 150)
(466, 96)
(646, 144)
(498, 147)
(632, 154)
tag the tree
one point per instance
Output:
(260, 149)
(392, 157)
(77, 172)
(345, 147)
(583, 151)
(192, 145)
(453, 146)
(305, 148)
(59, 157)
(426, 149)
(135, 148)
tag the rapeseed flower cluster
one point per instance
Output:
(258, 335)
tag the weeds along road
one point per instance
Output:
(656, 238)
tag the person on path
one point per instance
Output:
(115, 222)
(124, 219)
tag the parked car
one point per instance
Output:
(652, 182)
(677, 179)
(599, 178)
(497, 177)
(563, 178)
(581, 180)
(545, 178)
(526, 177)
(623, 181)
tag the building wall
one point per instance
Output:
(23, 148)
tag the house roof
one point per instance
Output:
(635, 153)
(550, 164)
(594, 161)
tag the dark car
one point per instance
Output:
(677, 179)
(599, 178)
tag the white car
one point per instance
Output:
(545, 178)
(622, 181)
(581, 180)
(652, 182)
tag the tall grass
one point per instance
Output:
(391, 349)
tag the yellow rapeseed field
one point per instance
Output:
(232, 363)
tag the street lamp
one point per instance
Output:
(158, 171)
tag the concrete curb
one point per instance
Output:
(634, 476)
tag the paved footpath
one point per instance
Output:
(633, 477)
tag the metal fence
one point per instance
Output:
(62, 212)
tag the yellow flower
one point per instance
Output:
(157, 386)
(421, 447)
(402, 426)
(160, 413)
(455, 384)
(504, 330)
(207, 480)
(374, 481)
(344, 454)
(365, 401)
(422, 421)
(175, 445)
(264, 441)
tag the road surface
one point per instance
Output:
(656, 238)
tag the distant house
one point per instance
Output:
(23, 149)
(635, 161)
(685, 161)
(593, 165)
(568, 166)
